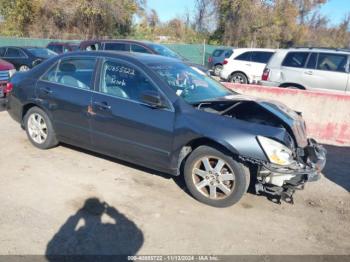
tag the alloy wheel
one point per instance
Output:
(37, 128)
(213, 177)
(238, 79)
(24, 68)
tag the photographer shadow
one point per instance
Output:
(95, 229)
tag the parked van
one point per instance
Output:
(309, 68)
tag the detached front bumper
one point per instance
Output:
(283, 181)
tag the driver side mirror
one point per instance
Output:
(36, 62)
(153, 99)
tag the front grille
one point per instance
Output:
(4, 76)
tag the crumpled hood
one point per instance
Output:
(291, 119)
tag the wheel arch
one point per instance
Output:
(248, 168)
(27, 107)
(288, 84)
(190, 146)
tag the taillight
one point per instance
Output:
(210, 59)
(8, 88)
(225, 62)
(265, 75)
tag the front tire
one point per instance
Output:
(39, 129)
(23, 68)
(214, 177)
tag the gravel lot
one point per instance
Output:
(42, 194)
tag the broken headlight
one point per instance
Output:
(277, 153)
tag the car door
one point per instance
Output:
(125, 127)
(327, 71)
(16, 57)
(243, 63)
(259, 60)
(66, 92)
(293, 67)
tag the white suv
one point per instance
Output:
(309, 68)
(245, 65)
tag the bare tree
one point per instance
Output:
(205, 11)
(153, 19)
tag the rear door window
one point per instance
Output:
(295, 59)
(56, 48)
(332, 62)
(311, 64)
(2, 51)
(92, 47)
(247, 56)
(261, 57)
(218, 53)
(228, 53)
(139, 49)
(116, 46)
(74, 72)
(14, 53)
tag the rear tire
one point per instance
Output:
(214, 177)
(39, 129)
(217, 70)
(239, 78)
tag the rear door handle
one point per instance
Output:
(102, 105)
(46, 90)
(308, 72)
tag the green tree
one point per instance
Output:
(18, 15)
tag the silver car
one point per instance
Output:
(309, 68)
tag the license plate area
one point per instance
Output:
(2, 91)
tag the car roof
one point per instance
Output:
(255, 49)
(316, 50)
(115, 41)
(22, 47)
(141, 57)
(62, 43)
(223, 49)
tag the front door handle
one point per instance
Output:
(102, 105)
(46, 90)
(309, 73)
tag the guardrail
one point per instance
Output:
(327, 114)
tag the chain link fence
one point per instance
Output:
(196, 53)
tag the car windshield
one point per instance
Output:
(190, 83)
(42, 52)
(165, 51)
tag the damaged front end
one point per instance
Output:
(291, 161)
(281, 182)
